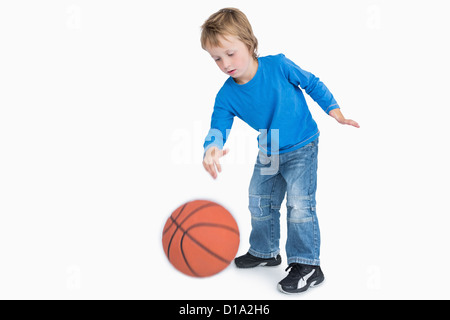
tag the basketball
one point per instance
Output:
(200, 238)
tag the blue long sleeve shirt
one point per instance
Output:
(273, 104)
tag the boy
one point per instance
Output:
(265, 93)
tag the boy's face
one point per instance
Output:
(233, 58)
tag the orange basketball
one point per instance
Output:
(200, 238)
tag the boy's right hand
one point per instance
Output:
(211, 160)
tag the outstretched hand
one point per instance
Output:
(337, 114)
(211, 160)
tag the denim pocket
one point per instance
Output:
(312, 144)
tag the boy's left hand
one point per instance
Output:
(337, 114)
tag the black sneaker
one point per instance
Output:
(301, 277)
(248, 261)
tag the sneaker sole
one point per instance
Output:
(313, 284)
(259, 264)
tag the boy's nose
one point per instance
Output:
(226, 64)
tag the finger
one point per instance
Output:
(217, 163)
(212, 171)
(352, 123)
(207, 167)
(225, 152)
(206, 164)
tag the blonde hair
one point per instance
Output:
(229, 21)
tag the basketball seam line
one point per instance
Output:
(185, 233)
(181, 211)
(178, 226)
(202, 245)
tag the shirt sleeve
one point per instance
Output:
(312, 85)
(221, 123)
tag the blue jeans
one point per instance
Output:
(294, 174)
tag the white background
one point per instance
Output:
(104, 106)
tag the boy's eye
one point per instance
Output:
(229, 54)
